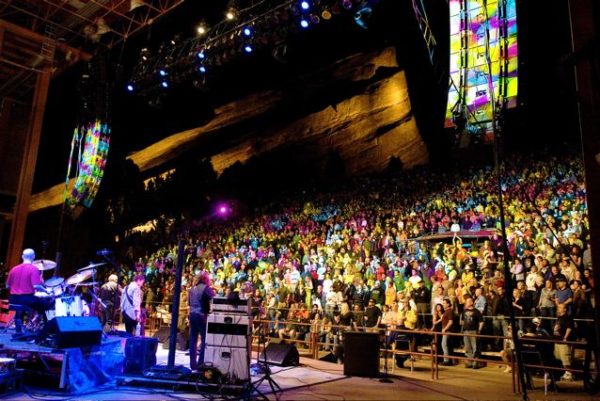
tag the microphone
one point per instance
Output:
(104, 252)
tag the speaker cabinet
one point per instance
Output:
(361, 354)
(140, 354)
(281, 354)
(234, 362)
(75, 331)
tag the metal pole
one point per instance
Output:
(175, 307)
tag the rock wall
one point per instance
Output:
(358, 108)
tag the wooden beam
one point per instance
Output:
(30, 152)
(36, 37)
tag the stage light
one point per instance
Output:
(304, 23)
(314, 19)
(248, 49)
(326, 14)
(305, 5)
(347, 4)
(130, 88)
(201, 55)
(247, 31)
(164, 84)
(162, 73)
(201, 29)
(230, 14)
(202, 69)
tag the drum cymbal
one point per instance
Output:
(54, 281)
(89, 283)
(44, 264)
(91, 266)
(79, 277)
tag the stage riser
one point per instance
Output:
(70, 369)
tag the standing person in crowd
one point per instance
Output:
(110, 294)
(372, 316)
(564, 295)
(131, 304)
(472, 323)
(22, 282)
(563, 328)
(447, 323)
(422, 298)
(199, 297)
(546, 304)
(500, 309)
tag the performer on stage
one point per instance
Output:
(110, 294)
(199, 298)
(21, 282)
(131, 303)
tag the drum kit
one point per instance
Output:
(64, 297)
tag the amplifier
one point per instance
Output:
(226, 305)
(225, 329)
(233, 363)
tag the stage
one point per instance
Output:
(312, 380)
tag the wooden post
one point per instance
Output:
(586, 61)
(30, 152)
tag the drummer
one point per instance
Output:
(22, 281)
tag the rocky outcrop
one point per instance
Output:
(358, 108)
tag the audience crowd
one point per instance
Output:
(357, 257)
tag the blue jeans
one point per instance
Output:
(471, 350)
(445, 348)
(198, 322)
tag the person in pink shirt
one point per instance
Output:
(21, 282)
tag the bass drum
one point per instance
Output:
(68, 306)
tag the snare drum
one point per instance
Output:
(68, 306)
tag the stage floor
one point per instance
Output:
(318, 380)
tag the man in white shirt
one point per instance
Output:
(131, 303)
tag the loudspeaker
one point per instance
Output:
(281, 354)
(232, 362)
(140, 354)
(75, 331)
(330, 357)
(361, 354)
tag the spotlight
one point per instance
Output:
(347, 4)
(130, 88)
(247, 31)
(201, 55)
(162, 73)
(164, 84)
(230, 14)
(305, 5)
(201, 29)
(314, 19)
(326, 14)
(202, 69)
(248, 49)
(304, 23)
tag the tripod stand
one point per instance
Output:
(265, 368)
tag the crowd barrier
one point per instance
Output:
(430, 339)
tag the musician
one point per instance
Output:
(199, 298)
(131, 303)
(22, 282)
(110, 293)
